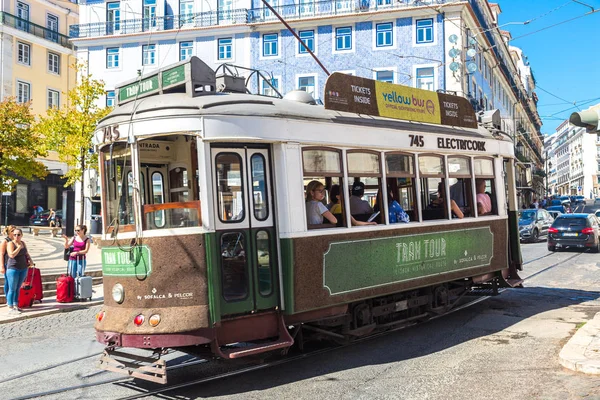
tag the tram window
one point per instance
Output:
(158, 197)
(230, 187)
(401, 182)
(234, 280)
(461, 188)
(264, 263)
(168, 168)
(432, 173)
(116, 160)
(364, 170)
(324, 166)
(485, 188)
(259, 188)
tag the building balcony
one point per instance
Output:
(327, 8)
(35, 30)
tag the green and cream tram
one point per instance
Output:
(206, 241)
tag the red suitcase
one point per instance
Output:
(65, 289)
(34, 280)
(31, 289)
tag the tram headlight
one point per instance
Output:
(118, 293)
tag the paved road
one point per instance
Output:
(504, 348)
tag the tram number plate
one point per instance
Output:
(401, 305)
(570, 234)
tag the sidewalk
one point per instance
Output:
(582, 351)
(47, 254)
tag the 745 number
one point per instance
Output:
(416, 141)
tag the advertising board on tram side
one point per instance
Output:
(384, 261)
(367, 96)
(136, 262)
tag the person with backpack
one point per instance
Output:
(79, 245)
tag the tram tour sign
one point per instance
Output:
(363, 264)
(367, 96)
(116, 262)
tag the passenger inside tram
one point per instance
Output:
(336, 208)
(316, 211)
(440, 202)
(484, 202)
(396, 213)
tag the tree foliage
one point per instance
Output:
(20, 145)
(69, 130)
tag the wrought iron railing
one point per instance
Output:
(244, 16)
(34, 29)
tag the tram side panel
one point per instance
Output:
(174, 287)
(331, 270)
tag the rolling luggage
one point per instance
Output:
(34, 280)
(65, 289)
(31, 289)
(83, 288)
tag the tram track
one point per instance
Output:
(252, 368)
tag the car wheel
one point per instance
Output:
(596, 248)
(535, 235)
(552, 248)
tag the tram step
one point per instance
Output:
(251, 350)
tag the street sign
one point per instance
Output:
(579, 188)
(6, 193)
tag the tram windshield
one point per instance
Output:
(167, 187)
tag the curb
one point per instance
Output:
(574, 355)
(81, 306)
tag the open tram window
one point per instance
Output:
(400, 180)
(168, 182)
(460, 181)
(364, 172)
(116, 159)
(485, 188)
(324, 166)
(432, 173)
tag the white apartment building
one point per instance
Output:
(573, 154)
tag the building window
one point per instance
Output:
(148, 54)
(24, 51)
(185, 50)
(385, 76)
(267, 90)
(52, 25)
(270, 44)
(384, 35)
(23, 14)
(53, 99)
(54, 63)
(307, 83)
(308, 38)
(425, 30)
(149, 14)
(425, 78)
(225, 46)
(113, 17)
(110, 98)
(343, 38)
(384, 2)
(112, 57)
(23, 92)
(186, 11)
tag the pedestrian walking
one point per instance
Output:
(8, 236)
(79, 246)
(16, 269)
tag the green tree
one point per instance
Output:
(69, 130)
(20, 145)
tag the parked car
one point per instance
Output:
(559, 208)
(555, 213)
(575, 230)
(534, 223)
(42, 219)
(597, 213)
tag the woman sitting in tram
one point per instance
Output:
(315, 209)
(440, 202)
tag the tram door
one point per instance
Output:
(244, 223)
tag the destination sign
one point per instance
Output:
(367, 96)
(142, 87)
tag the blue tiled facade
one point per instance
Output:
(363, 59)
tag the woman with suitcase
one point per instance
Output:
(16, 269)
(79, 245)
(8, 233)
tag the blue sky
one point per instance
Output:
(565, 59)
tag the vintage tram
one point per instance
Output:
(206, 242)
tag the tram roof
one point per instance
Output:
(179, 105)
